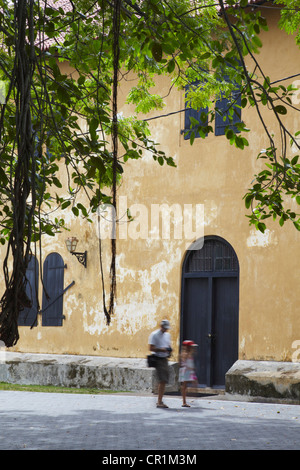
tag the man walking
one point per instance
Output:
(160, 345)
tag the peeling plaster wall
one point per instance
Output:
(214, 174)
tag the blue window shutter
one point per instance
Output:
(222, 119)
(28, 316)
(52, 309)
(196, 114)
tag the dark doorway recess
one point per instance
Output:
(210, 308)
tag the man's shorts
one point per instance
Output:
(162, 369)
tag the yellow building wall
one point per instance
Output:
(212, 173)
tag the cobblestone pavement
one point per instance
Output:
(57, 421)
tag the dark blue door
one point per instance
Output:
(210, 304)
(28, 316)
(195, 321)
(52, 308)
(224, 327)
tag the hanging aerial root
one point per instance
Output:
(12, 303)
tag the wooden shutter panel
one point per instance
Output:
(222, 119)
(52, 310)
(28, 316)
(196, 114)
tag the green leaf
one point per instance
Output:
(297, 224)
(83, 209)
(171, 66)
(257, 41)
(157, 51)
(244, 102)
(262, 21)
(248, 200)
(229, 134)
(256, 28)
(75, 211)
(280, 109)
(206, 55)
(98, 163)
(56, 182)
(261, 227)
(194, 121)
(81, 80)
(167, 48)
(239, 142)
(65, 204)
(192, 137)
(3, 177)
(93, 125)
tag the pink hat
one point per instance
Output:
(189, 342)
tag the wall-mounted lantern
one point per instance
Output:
(71, 243)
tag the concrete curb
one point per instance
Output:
(120, 374)
(266, 379)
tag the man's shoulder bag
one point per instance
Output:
(152, 360)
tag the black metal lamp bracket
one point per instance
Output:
(82, 257)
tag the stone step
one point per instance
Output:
(267, 379)
(110, 373)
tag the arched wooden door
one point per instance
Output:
(210, 308)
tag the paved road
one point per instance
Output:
(49, 421)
